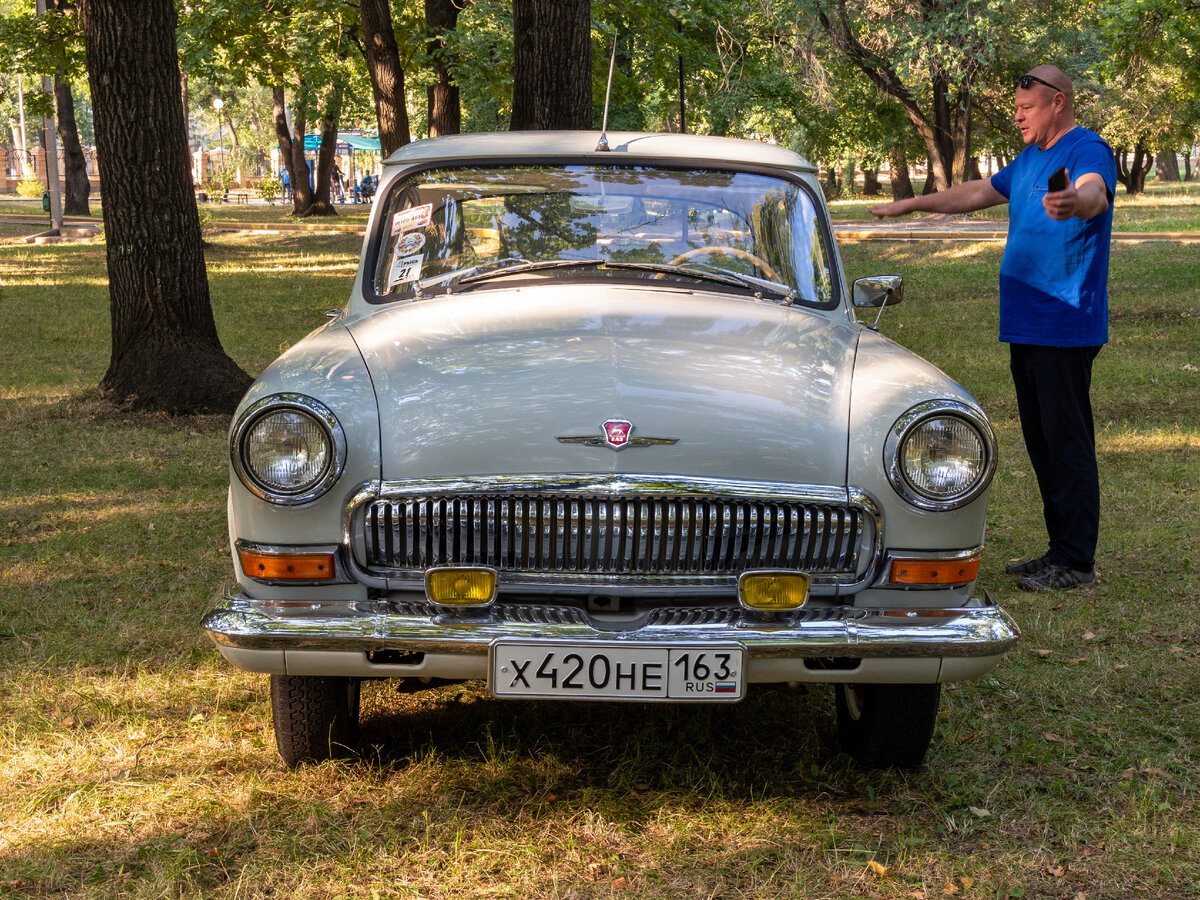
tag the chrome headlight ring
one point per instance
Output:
(979, 465)
(310, 411)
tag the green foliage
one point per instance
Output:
(30, 187)
(270, 189)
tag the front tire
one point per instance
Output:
(315, 717)
(887, 725)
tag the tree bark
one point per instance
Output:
(291, 149)
(445, 110)
(1167, 166)
(552, 65)
(78, 188)
(902, 187)
(75, 177)
(322, 204)
(387, 75)
(1133, 174)
(165, 350)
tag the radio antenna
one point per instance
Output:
(602, 147)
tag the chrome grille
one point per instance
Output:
(630, 536)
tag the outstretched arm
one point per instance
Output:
(966, 197)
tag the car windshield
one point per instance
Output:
(450, 228)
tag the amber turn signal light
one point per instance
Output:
(461, 586)
(287, 566)
(935, 571)
(773, 591)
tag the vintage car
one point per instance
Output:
(599, 422)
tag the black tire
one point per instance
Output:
(887, 725)
(316, 717)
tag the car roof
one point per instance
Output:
(583, 144)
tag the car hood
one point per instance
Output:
(485, 382)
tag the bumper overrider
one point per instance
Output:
(398, 638)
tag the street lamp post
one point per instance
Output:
(217, 104)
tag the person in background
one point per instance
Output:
(285, 183)
(1053, 308)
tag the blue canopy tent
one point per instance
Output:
(347, 143)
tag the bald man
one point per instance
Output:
(1053, 309)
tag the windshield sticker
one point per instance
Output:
(410, 243)
(416, 217)
(405, 269)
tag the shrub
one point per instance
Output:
(30, 187)
(270, 189)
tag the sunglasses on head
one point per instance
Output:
(1026, 80)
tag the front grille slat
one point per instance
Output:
(631, 536)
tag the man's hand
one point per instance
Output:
(889, 210)
(1084, 199)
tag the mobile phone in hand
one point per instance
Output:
(1058, 180)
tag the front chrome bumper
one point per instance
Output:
(894, 644)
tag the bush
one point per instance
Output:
(30, 187)
(270, 189)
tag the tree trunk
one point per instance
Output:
(1167, 166)
(871, 185)
(165, 350)
(78, 188)
(75, 177)
(552, 65)
(291, 150)
(902, 187)
(1133, 174)
(445, 111)
(387, 75)
(322, 198)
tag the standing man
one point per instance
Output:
(1053, 309)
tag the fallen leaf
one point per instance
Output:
(1054, 738)
(1058, 871)
(949, 889)
(619, 884)
(1077, 660)
(1089, 635)
(1044, 654)
(1176, 649)
(977, 811)
(966, 881)
(880, 869)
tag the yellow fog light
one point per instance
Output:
(460, 586)
(773, 591)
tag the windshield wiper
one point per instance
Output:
(529, 266)
(722, 276)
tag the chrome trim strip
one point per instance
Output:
(842, 631)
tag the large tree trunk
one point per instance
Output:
(165, 350)
(291, 150)
(1167, 166)
(326, 156)
(445, 112)
(552, 65)
(78, 188)
(387, 75)
(1133, 174)
(902, 187)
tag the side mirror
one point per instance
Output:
(878, 291)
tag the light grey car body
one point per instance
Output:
(785, 413)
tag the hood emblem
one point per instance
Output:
(616, 434)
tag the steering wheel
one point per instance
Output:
(737, 252)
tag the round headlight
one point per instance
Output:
(288, 449)
(941, 455)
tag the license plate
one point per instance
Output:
(616, 671)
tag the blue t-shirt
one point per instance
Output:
(1054, 276)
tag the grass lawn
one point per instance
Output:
(135, 763)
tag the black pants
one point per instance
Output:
(1053, 387)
